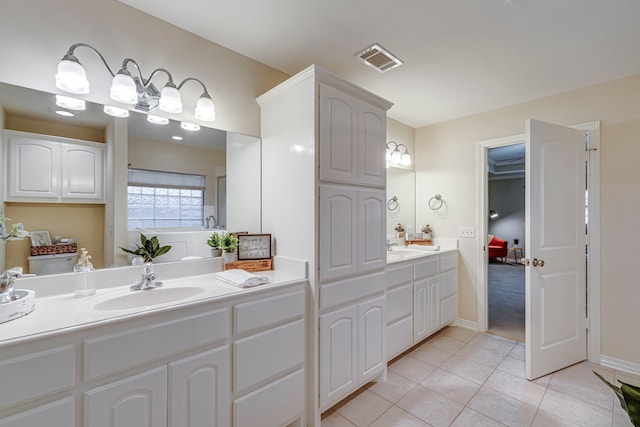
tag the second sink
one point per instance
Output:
(149, 297)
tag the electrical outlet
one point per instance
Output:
(468, 232)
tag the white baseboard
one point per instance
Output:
(466, 324)
(620, 365)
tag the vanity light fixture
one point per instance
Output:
(397, 157)
(176, 138)
(132, 89)
(493, 213)
(157, 120)
(190, 126)
(70, 103)
(115, 111)
(64, 113)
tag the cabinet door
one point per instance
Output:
(34, 168)
(372, 326)
(139, 400)
(199, 390)
(338, 136)
(371, 230)
(372, 131)
(82, 172)
(338, 229)
(448, 297)
(338, 349)
(59, 413)
(426, 307)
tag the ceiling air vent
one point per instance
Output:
(379, 58)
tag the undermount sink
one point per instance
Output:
(137, 299)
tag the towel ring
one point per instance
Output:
(435, 202)
(392, 203)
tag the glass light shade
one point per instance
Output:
(405, 159)
(205, 109)
(72, 77)
(157, 120)
(123, 88)
(70, 103)
(396, 156)
(388, 154)
(65, 113)
(170, 100)
(189, 126)
(115, 111)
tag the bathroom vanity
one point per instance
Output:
(195, 349)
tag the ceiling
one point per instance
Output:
(461, 57)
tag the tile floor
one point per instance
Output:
(462, 378)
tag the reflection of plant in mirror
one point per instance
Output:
(427, 228)
(149, 248)
(629, 396)
(229, 242)
(399, 228)
(17, 230)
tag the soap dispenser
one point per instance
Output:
(85, 284)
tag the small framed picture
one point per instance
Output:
(40, 238)
(254, 246)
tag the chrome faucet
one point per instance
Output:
(390, 245)
(211, 218)
(147, 281)
(7, 280)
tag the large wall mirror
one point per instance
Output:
(401, 200)
(231, 196)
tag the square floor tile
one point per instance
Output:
(459, 333)
(451, 386)
(579, 381)
(467, 369)
(334, 419)
(393, 388)
(545, 419)
(575, 410)
(446, 343)
(364, 408)
(481, 355)
(396, 417)
(493, 343)
(504, 409)
(412, 369)
(518, 351)
(516, 388)
(468, 417)
(430, 354)
(431, 407)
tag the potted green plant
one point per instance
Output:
(215, 242)
(149, 248)
(629, 397)
(229, 246)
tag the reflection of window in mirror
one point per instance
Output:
(164, 199)
(221, 192)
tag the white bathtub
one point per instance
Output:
(184, 242)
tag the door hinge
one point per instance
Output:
(587, 323)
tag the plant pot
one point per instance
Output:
(229, 257)
(215, 252)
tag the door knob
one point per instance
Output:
(524, 261)
(538, 262)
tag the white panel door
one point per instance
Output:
(139, 400)
(338, 230)
(82, 172)
(426, 307)
(372, 132)
(34, 167)
(371, 230)
(199, 390)
(556, 243)
(338, 354)
(372, 327)
(338, 136)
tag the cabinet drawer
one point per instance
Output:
(276, 404)
(350, 290)
(426, 268)
(119, 351)
(399, 337)
(37, 374)
(399, 302)
(448, 284)
(449, 262)
(262, 356)
(398, 275)
(60, 413)
(268, 311)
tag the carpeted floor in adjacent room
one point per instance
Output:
(506, 300)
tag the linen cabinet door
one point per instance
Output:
(199, 390)
(338, 136)
(139, 400)
(372, 131)
(371, 230)
(338, 231)
(338, 355)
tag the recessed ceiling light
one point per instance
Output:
(157, 120)
(176, 137)
(189, 126)
(70, 103)
(116, 111)
(65, 113)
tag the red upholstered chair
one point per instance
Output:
(498, 248)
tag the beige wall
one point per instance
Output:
(34, 35)
(447, 164)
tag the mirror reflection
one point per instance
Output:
(186, 177)
(401, 185)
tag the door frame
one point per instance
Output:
(593, 239)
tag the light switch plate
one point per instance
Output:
(468, 232)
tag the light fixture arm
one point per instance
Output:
(70, 56)
(206, 92)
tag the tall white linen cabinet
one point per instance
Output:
(323, 199)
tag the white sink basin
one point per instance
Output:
(400, 253)
(137, 299)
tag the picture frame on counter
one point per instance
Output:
(40, 238)
(254, 246)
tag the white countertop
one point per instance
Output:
(402, 253)
(64, 312)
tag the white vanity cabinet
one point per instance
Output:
(42, 168)
(422, 298)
